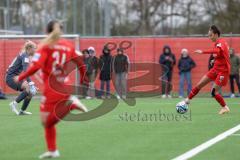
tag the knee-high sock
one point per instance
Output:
(21, 96)
(193, 92)
(26, 103)
(50, 138)
(60, 111)
(220, 100)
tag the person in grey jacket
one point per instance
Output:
(120, 68)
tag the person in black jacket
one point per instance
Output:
(105, 63)
(185, 65)
(120, 68)
(167, 60)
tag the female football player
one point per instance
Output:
(27, 88)
(52, 57)
(220, 71)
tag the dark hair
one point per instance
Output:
(85, 51)
(120, 50)
(50, 25)
(106, 49)
(215, 30)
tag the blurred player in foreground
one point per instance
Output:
(220, 71)
(52, 56)
(27, 88)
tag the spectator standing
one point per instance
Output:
(86, 62)
(92, 72)
(105, 62)
(185, 65)
(120, 68)
(234, 74)
(167, 61)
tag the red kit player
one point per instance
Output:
(51, 58)
(220, 71)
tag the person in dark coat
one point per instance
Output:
(120, 68)
(105, 62)
(185, 65)
(167, 60)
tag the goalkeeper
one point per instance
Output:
(27, 88)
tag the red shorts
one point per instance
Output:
(47, 107)
(220, 78)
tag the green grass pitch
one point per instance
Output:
(126, 133)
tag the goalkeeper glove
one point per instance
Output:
(32, 88)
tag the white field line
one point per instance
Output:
(207, 144)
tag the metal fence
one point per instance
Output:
(85, 17)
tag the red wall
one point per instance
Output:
(144, 49)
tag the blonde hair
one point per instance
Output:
(27, 45)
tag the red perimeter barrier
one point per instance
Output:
(144, 49)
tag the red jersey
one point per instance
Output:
(54, 63)
(222, 58)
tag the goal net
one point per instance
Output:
(11, 45)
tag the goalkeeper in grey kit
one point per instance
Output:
(27, 88)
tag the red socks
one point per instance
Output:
(220, 100)
(193, 93)
(218, 97)
(50, 137)
(50, 131)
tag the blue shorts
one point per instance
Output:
(10, 82)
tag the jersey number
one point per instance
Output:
(58, 61)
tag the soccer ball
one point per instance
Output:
(182, 107)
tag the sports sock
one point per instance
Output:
(50, 138)
(58, 113)
(220, 100)
(25, 103)
(193, 92)
(62, 109)
(21, 96)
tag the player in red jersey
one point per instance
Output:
(220, 71)
(52, 57)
